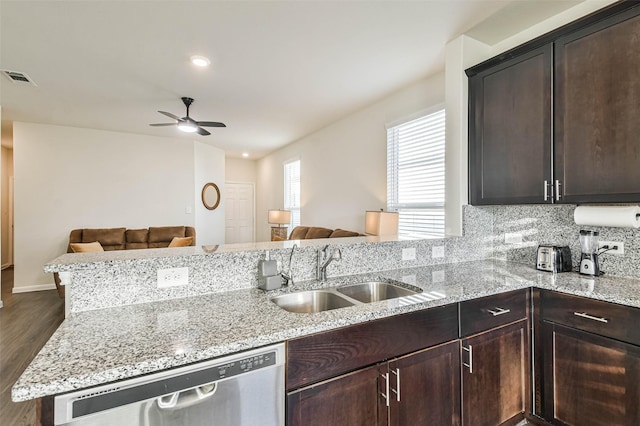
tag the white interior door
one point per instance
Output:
(239, 213)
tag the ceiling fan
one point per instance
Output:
(188, 124)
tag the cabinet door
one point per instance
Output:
(429, 387)
(597, 105)
(351, 399)
(495, 375)
(510, 131)
(589, 380)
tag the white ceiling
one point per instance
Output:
(280, 70)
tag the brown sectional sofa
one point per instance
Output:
(126, 239)
(313, 232)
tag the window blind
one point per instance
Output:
(415, 175)
(292, 191)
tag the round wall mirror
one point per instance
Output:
(211, 196)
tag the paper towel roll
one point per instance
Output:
(615, 216)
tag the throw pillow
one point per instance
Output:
(86, 247)
(181, 241)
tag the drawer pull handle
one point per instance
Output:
(498, 311)
(397, 389)
(385, 395)
(591, 317)
(470, 365)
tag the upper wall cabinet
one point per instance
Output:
(510, 126)
(586, 148)
(597, 104)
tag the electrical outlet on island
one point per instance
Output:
(173, 277)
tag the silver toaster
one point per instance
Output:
(552, 257)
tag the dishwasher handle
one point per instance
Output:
(186, 398)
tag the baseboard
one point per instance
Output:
(30, 288)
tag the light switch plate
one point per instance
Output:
(409, 253)
(513, 238)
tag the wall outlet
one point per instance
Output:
(172, 277)
(611, 244)
(437, 276)
(437, 251)
(512, 238)
(409, 253)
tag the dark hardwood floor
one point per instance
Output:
(27, 320)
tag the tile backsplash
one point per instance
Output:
(554, 224)
(124, 281)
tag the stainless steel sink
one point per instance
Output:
(374, 291)
(309, 302)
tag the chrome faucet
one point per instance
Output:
(288, 277)
(325, 257)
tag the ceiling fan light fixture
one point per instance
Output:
(200, 61)
(187, 127)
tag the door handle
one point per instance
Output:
(558, 184)
(385, 395)
(397, 389)
(546, 190)
(470, 364)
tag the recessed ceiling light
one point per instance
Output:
(200, 61)
(245, 154)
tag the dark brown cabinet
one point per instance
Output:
(589, 379)
(589, 361)
(510, 131)
(495, 376)
(495, 358)
(351, 399)
(597, 104)
(422, 388)
(580, 119)
(360, 375)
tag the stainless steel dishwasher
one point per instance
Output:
(244, 389)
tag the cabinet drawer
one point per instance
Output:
(595, 316)
(492, 311)
(320, 356)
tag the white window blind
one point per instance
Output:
(415, 175)
(292, 191)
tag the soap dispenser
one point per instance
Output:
(268, 276)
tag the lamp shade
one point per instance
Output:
(381, 223)
(280, 217)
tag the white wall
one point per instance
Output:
(240, 170)
(343, 166)
(209, 165)
(67, 178)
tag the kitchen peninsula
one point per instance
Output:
(99, 344)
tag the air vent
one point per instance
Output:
(18, 77)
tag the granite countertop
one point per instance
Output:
(96, 347)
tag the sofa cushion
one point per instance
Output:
(299, 233)
(181, 242)
(86, 247)
(162, 236)
(338, 233)
(137, 235)
(109, 238)
(317, 232)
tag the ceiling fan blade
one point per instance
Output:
(162, 124)
(210, 124)
(202, 131)
(168, 114)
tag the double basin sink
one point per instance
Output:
(314, 301)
